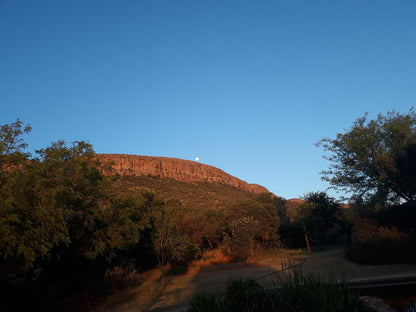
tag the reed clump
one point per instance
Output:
(290, 292)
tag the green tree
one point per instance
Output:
(170, 245)
(319, 215)
(274, 203)
(29, 229)
(239, 242)
(372, 158)
(94, 224)
(56, 205)
(11, 142)
(264, 216)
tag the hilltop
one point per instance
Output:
(195, 184)
(174, 168)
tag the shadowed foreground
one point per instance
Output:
(151, 295)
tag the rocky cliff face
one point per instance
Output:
(173, 168)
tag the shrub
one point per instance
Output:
(375, 244)
(120, 277)
(239, 244)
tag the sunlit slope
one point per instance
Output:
(205, 195)
(195, 184)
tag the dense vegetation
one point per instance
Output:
(375, 160)
(65, 227)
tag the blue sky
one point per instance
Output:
(246, 86)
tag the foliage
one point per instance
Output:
(293, 235)
(120, 277)
(30, 225)
(56, 205)
(207, 302)
(239, 243)
(170, 245)
(319, 216)
(248, 222)
(291, 292)
(401, 216)
(375, 244)
(140, 205)
(346, 221)
(265, 221)
(11, 143)
(375, 158)
(95, 225)
(276, 203)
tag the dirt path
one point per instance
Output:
(333, 260)
(151, 295)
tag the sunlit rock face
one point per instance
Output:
(173, 168)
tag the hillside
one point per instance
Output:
(195, 184)
(204, 195)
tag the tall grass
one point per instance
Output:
(291, 292)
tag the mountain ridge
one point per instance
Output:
(173, 168)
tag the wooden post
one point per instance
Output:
(307, 240)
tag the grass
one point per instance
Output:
(291, 292)
(211, 257)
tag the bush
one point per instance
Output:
(122, 277)
(375, 244)
(239, 244)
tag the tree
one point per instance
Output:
(170, 245)
(276, 203)
(11, 142)
(11, 149)
(263, 216)
(372, 158)
(28, 228)
(319, 215)
(239, 242)
(56, 205)
(95, 226)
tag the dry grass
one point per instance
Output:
(211, 257)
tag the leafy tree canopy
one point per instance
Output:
(263, 216)
(56, 205)
(10, 138)
(319, 214)
(170, 245)
(375, 158)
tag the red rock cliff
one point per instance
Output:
(174, 168)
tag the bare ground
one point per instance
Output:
(152, 295)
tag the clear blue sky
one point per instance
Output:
(246, 86)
